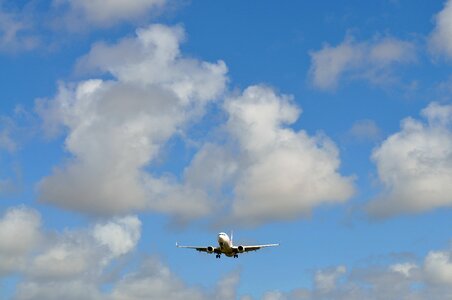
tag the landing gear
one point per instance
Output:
(218, 255)
(236, 256)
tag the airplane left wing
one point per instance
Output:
(253, 248)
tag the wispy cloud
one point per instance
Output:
(365, 130)
(16, 31)
(372, 60)
(79, 15)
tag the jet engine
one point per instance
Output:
(240, 249)
(210, 249)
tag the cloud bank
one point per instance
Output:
(75, 264)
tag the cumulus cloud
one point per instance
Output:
(71, 264)
(119, 235)
(156, 281)
(227, 287)
(17, 222)
(440, 40)
(402, 280)
(82, 254)
(415, 165)
(153, 281)
(438, 268)
(275, 172)
(325, 280)
(115, 128)
(105, 13)
(371, 60)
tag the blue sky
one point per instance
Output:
(126, 126)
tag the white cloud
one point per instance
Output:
(438, 268)
(70, 290)
(404, 268)
(227, 287)
(66, 258)
(275, 172)
(82, 254)
(325, 280)
(120, 235)
(71, 264)
(403, 280)
(17, 222)
(443, 90)
(105, 13)
(153, 281)
(117, 127)
(372, 60)
(440, 40)
(415, 165)
(153, 58)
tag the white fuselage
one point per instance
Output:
(225, 244)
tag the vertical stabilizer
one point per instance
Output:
(232, 237)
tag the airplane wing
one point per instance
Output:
(253, 248)
(201, 249)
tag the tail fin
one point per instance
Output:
(232, 237)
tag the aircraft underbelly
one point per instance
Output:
(226, 249)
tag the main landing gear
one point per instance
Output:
(219, 256)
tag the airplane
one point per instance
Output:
(226, 247)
